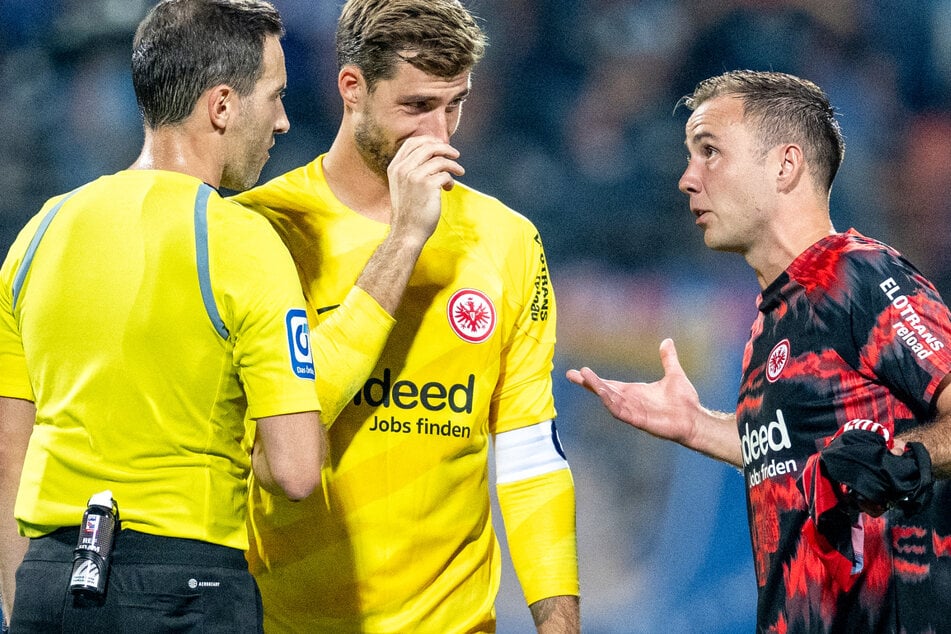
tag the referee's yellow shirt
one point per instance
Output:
(150, 317)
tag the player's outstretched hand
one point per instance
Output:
(666, 408)
(421, 169)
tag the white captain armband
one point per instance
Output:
(528, 452)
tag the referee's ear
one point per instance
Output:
(221, 104)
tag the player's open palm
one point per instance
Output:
(666, 408)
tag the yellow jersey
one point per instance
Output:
(145, 315)
(404, 541)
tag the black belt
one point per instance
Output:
(134, 547)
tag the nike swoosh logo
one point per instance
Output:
(327, 309)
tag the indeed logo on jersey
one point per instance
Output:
(298, 341)
(405, 394)
(910, 330)
(759, 442)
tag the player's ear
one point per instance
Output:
(791, 166)
(352, 86)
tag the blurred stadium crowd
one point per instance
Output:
(572, 122)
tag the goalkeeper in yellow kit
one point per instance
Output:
(417, 385)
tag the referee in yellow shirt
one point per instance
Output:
(142, 317)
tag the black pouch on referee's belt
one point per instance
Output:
(93, 552)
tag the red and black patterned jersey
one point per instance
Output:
(851, 330)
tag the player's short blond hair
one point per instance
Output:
(784, 109)
(438, 37)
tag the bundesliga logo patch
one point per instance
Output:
(471, 315)
(777, 360)
(298, 342)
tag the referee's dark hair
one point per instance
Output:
(184, 47)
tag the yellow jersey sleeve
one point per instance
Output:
(346, 347)
(249, 291)
(347, 339)
(14, 378)
(539, 516)
(538, 510)
(523, 393)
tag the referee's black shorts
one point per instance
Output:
(156, 584)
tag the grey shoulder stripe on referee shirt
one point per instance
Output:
(201, 256)
(20, 276)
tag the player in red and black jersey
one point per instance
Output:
(842, 427)
(850, 331)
